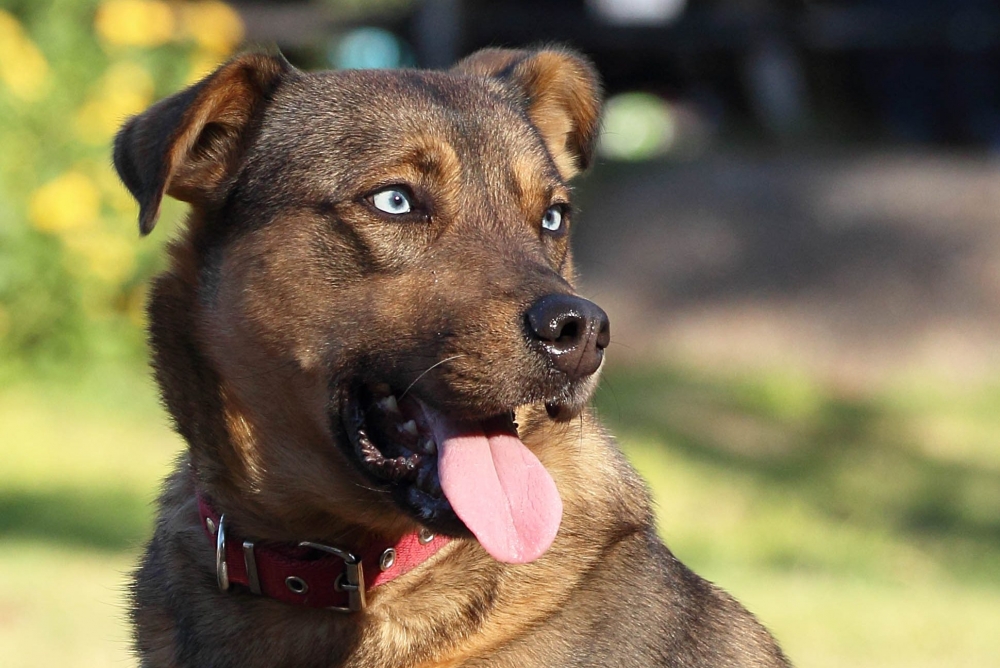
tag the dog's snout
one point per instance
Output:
(573, 332)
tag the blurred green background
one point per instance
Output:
(847, 492)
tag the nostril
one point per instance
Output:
(570, 332)
(557, 320)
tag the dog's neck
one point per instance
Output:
(312, 574)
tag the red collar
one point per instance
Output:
(312, 574)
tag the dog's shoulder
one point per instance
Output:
(639, 607)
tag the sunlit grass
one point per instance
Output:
(67, 438)
(82, 460)
(863, 529)
(841, 621)
(62, 605)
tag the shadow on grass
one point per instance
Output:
(106, 520)
(854, 460)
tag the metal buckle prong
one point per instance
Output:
(352, 580)
(251, 564)
(221, 567)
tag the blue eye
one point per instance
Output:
(553, 219)
(392, 201)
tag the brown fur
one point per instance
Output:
(286, 284)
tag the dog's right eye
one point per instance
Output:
(392, 201)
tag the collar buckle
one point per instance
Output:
(352, 580)
(221, 567)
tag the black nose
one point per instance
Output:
(572, 331)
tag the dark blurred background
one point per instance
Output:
(878, 70)
(792, 222)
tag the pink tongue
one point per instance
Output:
(498, 488)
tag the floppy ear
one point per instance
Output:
(561, 94)
(187, 145)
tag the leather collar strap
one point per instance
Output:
(312, 574)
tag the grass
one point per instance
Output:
(863, 528)
(81, 465)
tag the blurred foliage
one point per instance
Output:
(72, 270)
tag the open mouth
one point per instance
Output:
(455, 475)
(394, 445)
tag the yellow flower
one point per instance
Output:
(125, 89)
(68, 202)
(215, 26)
(23, 68)
(135, 22)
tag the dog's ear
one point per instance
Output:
(187, 145)
(561, 94)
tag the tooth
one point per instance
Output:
(428, 446)
(410, 427)
(388, 404)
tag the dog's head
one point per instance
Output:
(375, 278)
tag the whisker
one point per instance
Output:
(371, 489)
(427, 371)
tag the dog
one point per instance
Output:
(369, 338)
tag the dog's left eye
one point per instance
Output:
(392, 201)
(553, 218)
